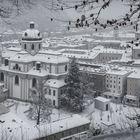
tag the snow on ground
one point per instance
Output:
(116, 117)
(16, 123)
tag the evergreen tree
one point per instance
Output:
(73, 91)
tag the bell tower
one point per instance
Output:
(32, 40)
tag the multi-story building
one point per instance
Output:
(97, 77)
(22, 71)
(116, 83)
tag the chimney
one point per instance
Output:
(32, 25)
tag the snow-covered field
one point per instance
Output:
(16, 123)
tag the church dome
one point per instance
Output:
(31, 34)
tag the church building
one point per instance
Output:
(20, 71)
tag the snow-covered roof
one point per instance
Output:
(39, 57)
(108, 41)
(112, 94)
(55, 83)
(31, 33)
(3, 109)
(40, 72)
(131, 97)
(117, 72)
(102, 99)
(17, 49)
(135, 75)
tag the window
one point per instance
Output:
(114, 86)
(16, 66)
(66, 68)
(45, 90)
(25, 46)
(16, 80)
(39, 46)
(61, 91)
(2, 76)
(34, 82)
(49, 91)
(39, 34)
(25, 34)
(32, 47)
(54, 102)
(53, 92)
(6, 62)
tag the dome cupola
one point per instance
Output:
(32, 39)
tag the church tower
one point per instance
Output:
(32, 40)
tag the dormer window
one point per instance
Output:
(32, 47)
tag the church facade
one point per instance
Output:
(21, 71)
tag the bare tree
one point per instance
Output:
(88, 10)
(41, 107)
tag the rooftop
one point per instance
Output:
(102, 99)
(55, 83)
(135, 75)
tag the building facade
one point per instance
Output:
(23, 70)
(116, 83)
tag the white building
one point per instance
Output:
(21, 71)
(54, 90)
(116, 83)
(102, 103)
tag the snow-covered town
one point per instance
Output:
(78, 83)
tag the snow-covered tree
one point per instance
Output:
(87, 84)
(73, 96)
(41, 107)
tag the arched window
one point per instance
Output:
(6, 62)
(25, 46)
(32, 47)
(2, 76)
(16, 80)
(16, 66)
(66, 67)
(39, 46)
(34, 82)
